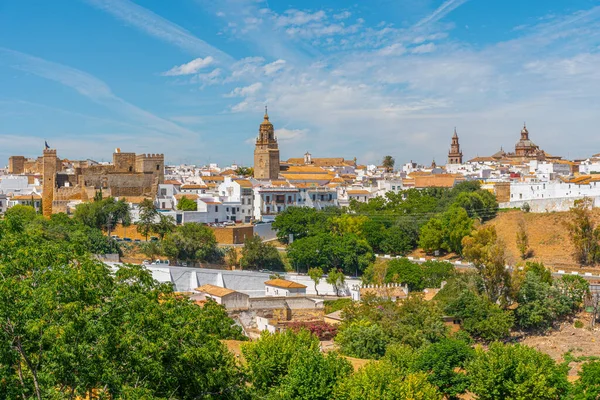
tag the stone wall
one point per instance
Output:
(547, 205)
(124, 162)
(16, 165)
(502, 190)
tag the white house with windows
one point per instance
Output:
(238, 192)
(284, 288)
(272, 200)
(165, 196)
(317, 197)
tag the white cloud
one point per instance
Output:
(159, 27)
(446, 8)
(245, 91)
(342, 15)
(211, 78)
(273, 67)
(92, 88)
(396, 49)
(297, 17)
(190, 68)
(290, 135)
(423, 49)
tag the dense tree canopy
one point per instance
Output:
(257, 254)
(69, 326)
(192, 243)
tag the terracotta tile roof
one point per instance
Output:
(279, 183)
(215, 290)
(308, 177)
(300, 169)
(135, 199)
(385, 292)
(243, 183)
(172, 182)
(33, 196)
(213, 178)
(210, 201)
(358, 191)
(193, 186)
(227, 172)
(323, 162)
(189, 196)
(285, 284)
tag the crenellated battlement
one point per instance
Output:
(150, 156)
(50, 152)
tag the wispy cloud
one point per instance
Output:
(250, 90)
(90, 87)
(446, 8)
(189, 68)
(159, 27)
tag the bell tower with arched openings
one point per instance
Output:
(266, 151)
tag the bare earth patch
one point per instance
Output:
(580, 342)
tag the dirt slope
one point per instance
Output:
(548, 236)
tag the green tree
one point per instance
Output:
(103, 213)
(299, 222)
(516, 372)
(539, 304)
(431, 237)
(185, 204)
(362, 339)
(587, 387)
(436, 272)
(336, 279)
(312, 376)
(151, 250)
(400, 238)
(487, 253)
(381, 381)
(148, 215)
(192, 243)
(164, 225)
(257, 254)
(315, 275)
(231, 256)
(584, 233)
(401, 270)
(268, 359)
(69, 325)
(244, 171)
(441, 360)
(480, 317)
(456, 225)
(388, 163)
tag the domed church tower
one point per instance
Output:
(266, 152)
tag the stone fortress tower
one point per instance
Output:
(49, 180)
(266, 152)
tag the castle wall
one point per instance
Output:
(16, 165)
(124, 162)
(154, 163)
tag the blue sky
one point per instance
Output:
(190, 78)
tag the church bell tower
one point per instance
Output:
(455, 156)
(266, 152)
